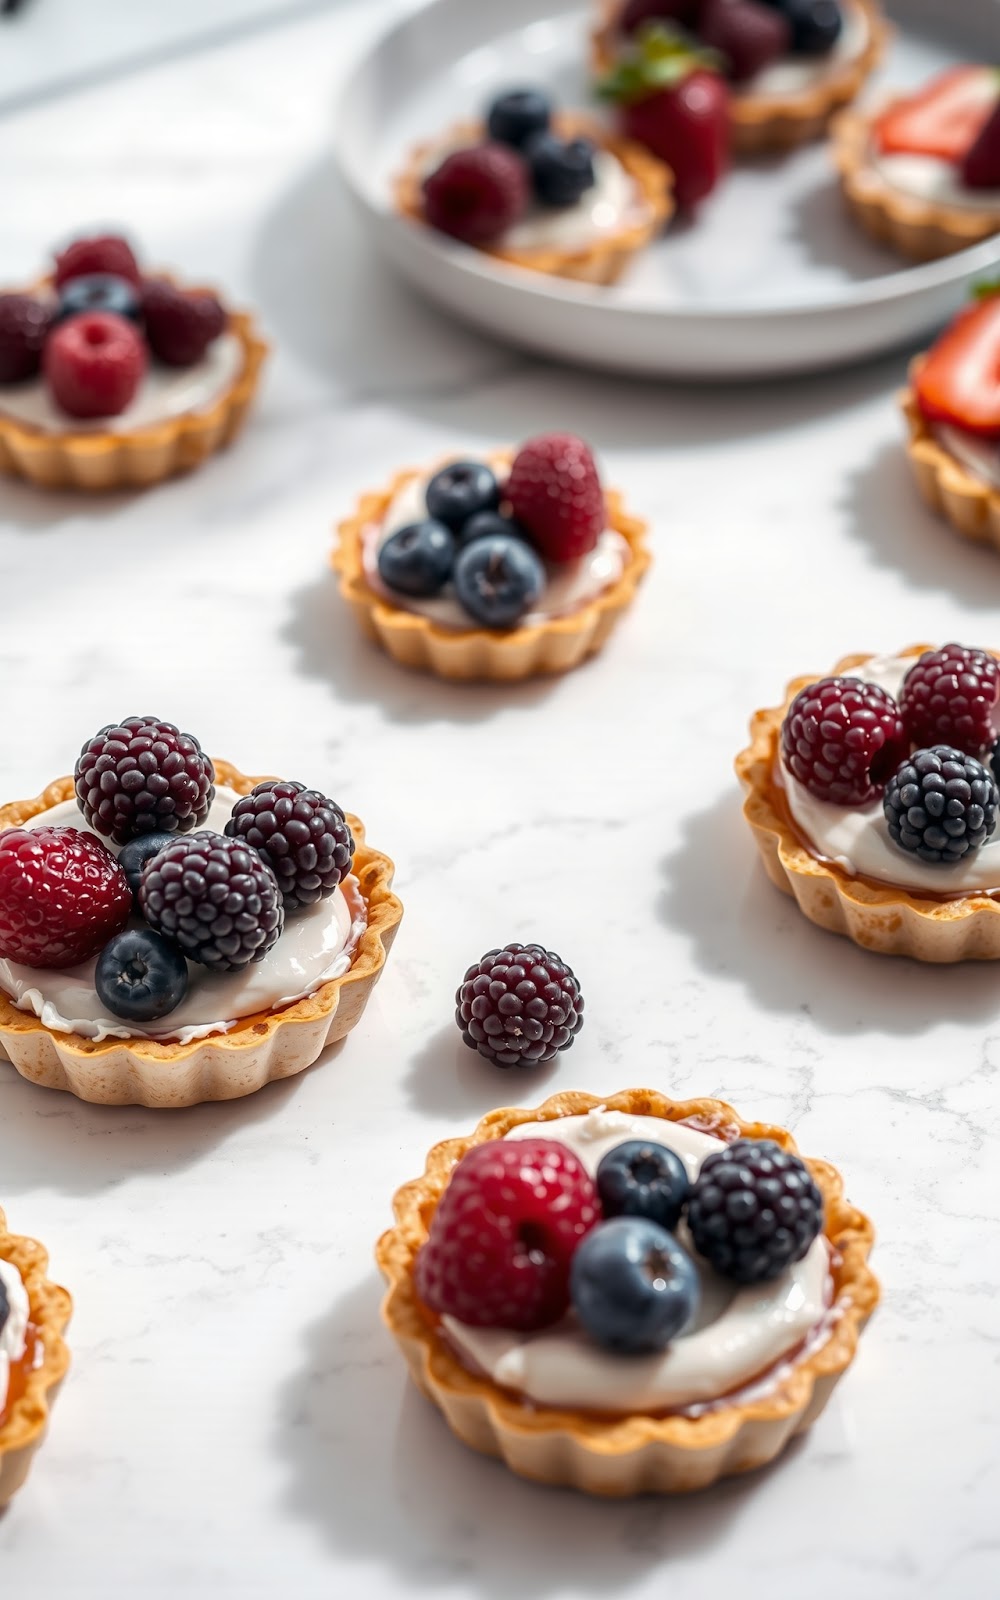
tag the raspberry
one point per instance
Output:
(519, 1006)
(62, 896)
(108, 253)
(476, 194)
(948, 698)
(754, 1210)
(302, 836)
(24, 327)
(214, 898)
(501, 1241)
(555, 492)
(941, 804)
(94, 363)
(843, 738)
(180, 325)
(143, 776)
(749, 35)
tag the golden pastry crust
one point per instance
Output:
(634, 1454)
(919, 229)
(256, 1050)
(475, 654)
(143, 456)
(775, 122)
(877, 916)
(604, 259)
(971, 505)
(24, 1429)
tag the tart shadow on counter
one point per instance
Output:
(374, 1468)
(745, 930)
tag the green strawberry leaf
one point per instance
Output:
(660, 58)
(984, 289)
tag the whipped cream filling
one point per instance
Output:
(856, 838)
(737, 1336)
(792, 74)
(14, 1333)
(979, 456)
(317, 944)
(569, 584)
(164, 392)
(615, 201)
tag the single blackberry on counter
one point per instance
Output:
(143, 776)
(941, 804)
(215, 898)
(303, 837)
(754, 1210)
(519, 1006)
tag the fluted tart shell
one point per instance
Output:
(25, 1427)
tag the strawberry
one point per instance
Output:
(959, 379)
(555, 493)
(944, 119)
(981, 167)
(674, 103)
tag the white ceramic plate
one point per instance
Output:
(772, 277)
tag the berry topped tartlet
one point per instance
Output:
(873, 798)
(626, 1296)
(501, 566)
(952, 411)
(33, 1354)
(173, 932)
(111, 378)
(922, 174)
(533, 187)
(790, 63)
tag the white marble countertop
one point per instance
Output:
(236, 1423)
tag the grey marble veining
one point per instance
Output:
(236, 1421)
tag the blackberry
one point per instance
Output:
(519, 1006)
(143, 776)
(24, 327)
(941, 804)
(948, 696)
(303, 837)
(215, 898)
(754, 1210)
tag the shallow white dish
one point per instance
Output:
(772, 277)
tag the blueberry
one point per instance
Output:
(643, 1179)
(561, 169)
(487, 523)
(816, 25)
(99, 291)
(459, 490)
(514, 116)
(417, 560)
(632, 1286)
(140, 976)
(137, 852)
(498, 579)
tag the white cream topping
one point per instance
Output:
(13, 1335)
(737, 1335)
(792, 74)
(979, 456)
(163, 393)
(614, 201)
(569, 585)
(317, 944)
(856, 838)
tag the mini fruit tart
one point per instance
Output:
(922, 173)
(790, 63)
(164, 940)
(552, 192)
(33, 1355)
(503, 566)
(111, 379)
(952, 411)
(626, 1296)
(872, 795)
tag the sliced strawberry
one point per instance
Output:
(944, 119)
(959, 380)
(981, 167)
